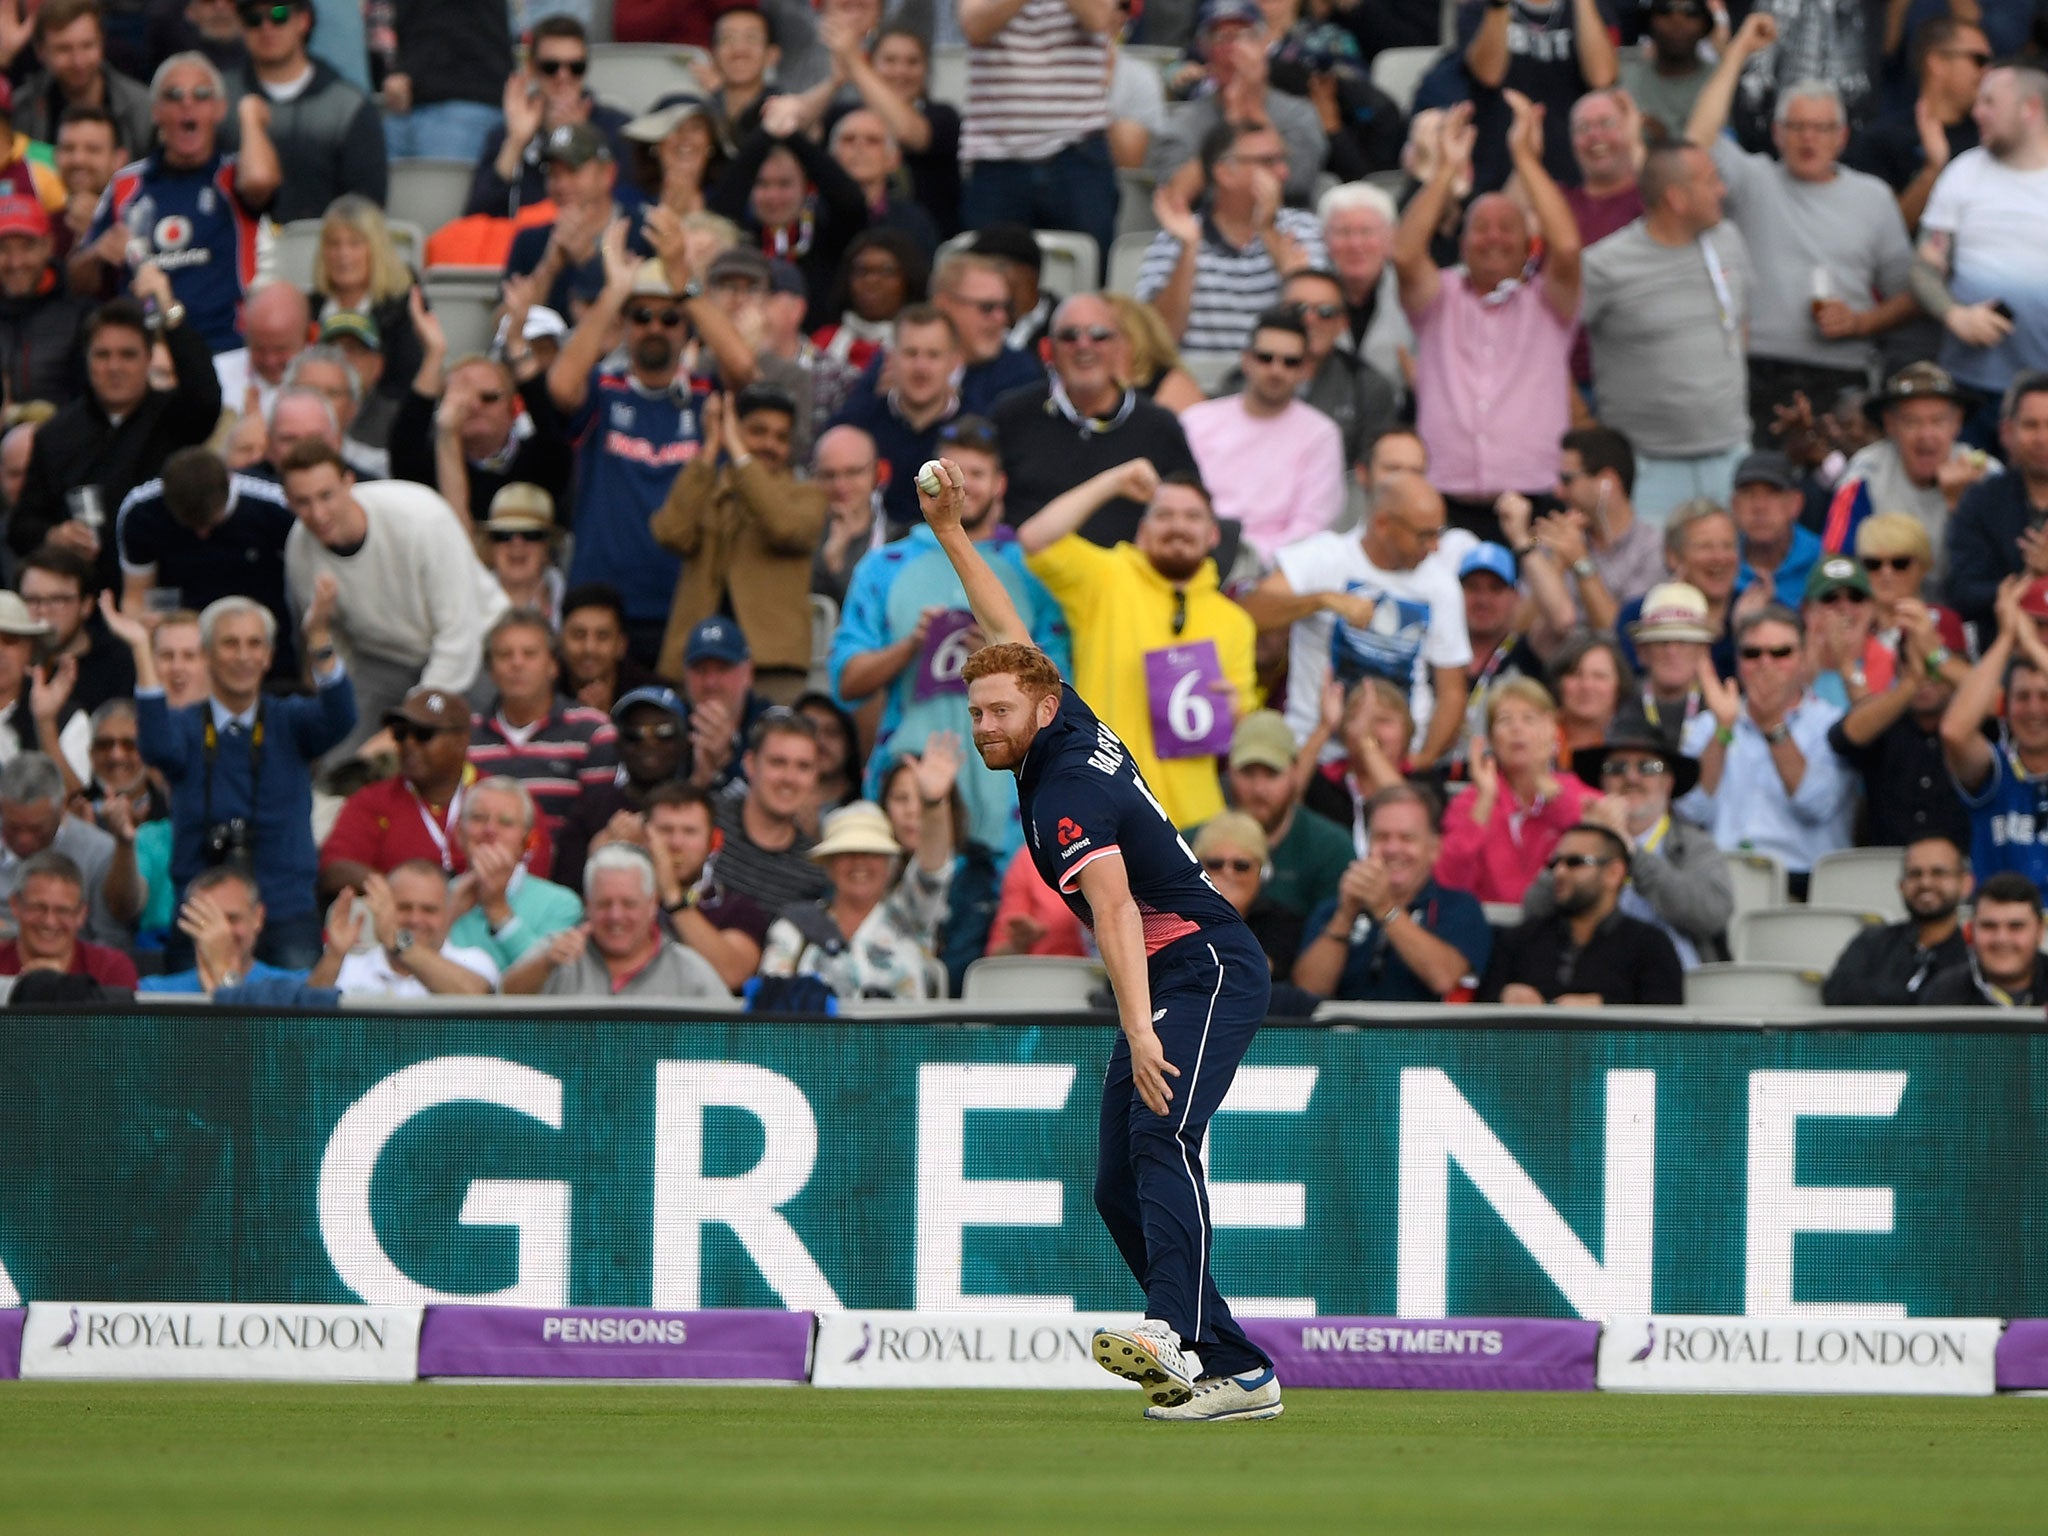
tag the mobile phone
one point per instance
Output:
(163, 599)
(2002, 309)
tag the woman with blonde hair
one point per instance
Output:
(1898, 556)
(1233, 851)
(1151, 361)
(358, 269)
(1499, 835)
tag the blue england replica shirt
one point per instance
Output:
(2008, 820)
(631, 443)
(1082, 800)
(193, 225)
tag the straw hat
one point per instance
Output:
(1673, 610)
(862, 827)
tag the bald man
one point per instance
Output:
(276, 325)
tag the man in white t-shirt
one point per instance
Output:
(1377, 605)
(407, 915)
(1978, 269)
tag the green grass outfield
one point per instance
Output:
(222, 1459)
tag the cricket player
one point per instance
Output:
(1190, 980)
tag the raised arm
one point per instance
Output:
(1598, 66)
(989, 599)
(1553, 213)
(1419, 278)
(1066, 512)
(569, 373)
(1710, 108)
(1962, 725)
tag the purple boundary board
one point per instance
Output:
(11, 1322)
(1491, 1354)
(616, 1343)
(2023, 1356)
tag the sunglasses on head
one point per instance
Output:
(403, 731)
(1276, 359)
(178, 95)
(1235, 866)
(575, 67)
(1875, 563)
(1775, 652)
(520, 536)
(1841, 595)
(1068, 335)
(1578, 860)
(663, 730)
(1648, 768)
(640, 314)
(257, 15)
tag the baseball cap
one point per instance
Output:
(1491, 558)
(1833, 575)
(352, 325)
(716, 639)
(575, 144)
(785, 276)
(1224, 13)
(1767, 468)
(659, 697)
(434, 709)
(1262, 739)
(1673, 610)
(740, 264)
(23, 216)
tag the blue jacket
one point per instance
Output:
(296, 731)
(1983, 544)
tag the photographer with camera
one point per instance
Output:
(239, 765)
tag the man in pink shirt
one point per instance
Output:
(1271, 461)
(1492, 338)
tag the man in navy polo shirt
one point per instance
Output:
(718, 681)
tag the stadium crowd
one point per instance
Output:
(1480, 514)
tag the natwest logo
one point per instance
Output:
(1069, 830)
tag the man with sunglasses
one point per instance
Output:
(189, 207)
(329, 136)
(1769, 781)
(1587, 953)
(545, 94)
(1211, 271)
(558, 749)
(652, 743)
(1666, 80)
(1907, 149)
(1919, 467)
(413, 814)
(1890, 966)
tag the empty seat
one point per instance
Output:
(1755, 987)
(428, 193)
(1125, 257)
(1133, 208)
(946, 79)
(1865, 878)
(1398, 71)
(1758, 879)
(1502, 914)
(634, 76)
(468, 315)
(1051, 981)
(1209, 369)
(1810, 936)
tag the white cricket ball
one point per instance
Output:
(929, 480)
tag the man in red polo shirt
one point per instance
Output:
(49, 914)
(414, 814)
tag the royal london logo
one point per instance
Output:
(1070, 831)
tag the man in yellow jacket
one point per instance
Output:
(746, 529)
(1164, 657)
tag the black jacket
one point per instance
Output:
(838, 208)
(330, 140)
(1964, 986)
(81, 446)
(40, 354)
(1886, 968)
(544, 458)
(1983, 543)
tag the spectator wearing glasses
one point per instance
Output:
(1890, 967)
(546, 94)
(1588, 953)
(119, 773)
(747, 531)
(723, 706)
(413, 814)
(1336, 379)
(1273, 463)
(1826, 240)
(329, 136)
(1840, 631)
(49, 910)
(1211, 272)
(1493, 342)
(1238, 88)
(57, 587)
(35, 818)
(563, 258)
(558, 749)
(1374, 605)
(2004, 967)
(1917, 467)
(1233, 852)
(1392, 933)
(520, 537)
(906, 629)
(1665, 77)
(1082, 420)
(652, 741)
(2004, 782)
(974, 293)
(1165, 658)
(1677, 878)
(1908, 149)
(179, 188)
(846, 467)
(1897, 556)
(1769, 781)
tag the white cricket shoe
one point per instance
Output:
(1227, 1397)
(1151, 1355)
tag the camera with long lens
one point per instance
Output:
(229, 842)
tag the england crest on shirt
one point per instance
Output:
(1389, 643)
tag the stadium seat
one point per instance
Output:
(1155, 54)
(946, 80)
(1133, 208)
(1050, 981)
(1126, 255)
(1209, 368)
(824, 620)
(1072, 262)
(1865, 878)
(1754, 987)
(1398, 71)
(1810, 936)
(1502, 914)
(428, 192)
(293, 247)
(634, 76)
(468, 314)
(1759, 881)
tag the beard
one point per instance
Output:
(1578, 900)
(1176, 565)
(1001, 753)
(654, 353)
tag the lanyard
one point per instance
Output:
(436, 830)
(1656, 717)
(1091, 426)
(1655, 838)
(1722, 295)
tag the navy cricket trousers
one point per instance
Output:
(1209, 994)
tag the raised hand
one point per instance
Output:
(782, 116)
(492, 868)
(326, 598)
(937, 768)
(1515, 512)
(567, 947)
(1174, 215)
(116, 818)
(1021, 931)
(149, 283)
(344, 923)
(1723, 700)
(131, 632)
(1330, 711)
(1933, 135)
(522, 106)
(947, 509)
(1485, 775)
(47, 696)
(1525, 128)
(620, 265)
(1564, 535)
(383, 909)
(1140, 480)
(1759, 30)
(427, 325)
(1458, 139)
